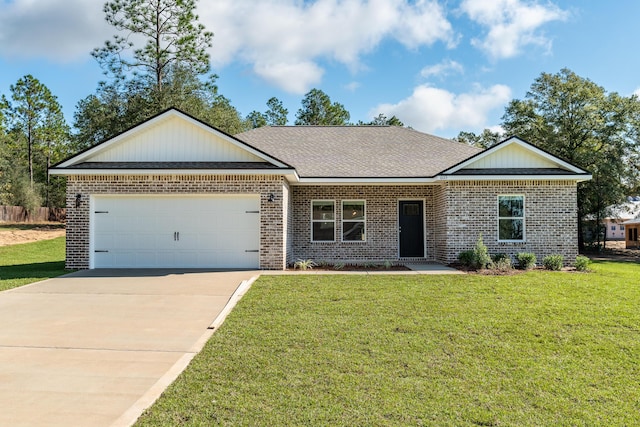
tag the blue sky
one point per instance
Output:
(441, 66)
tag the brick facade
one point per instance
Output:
(551, 217)
(455, 212)
(273, 228)
(381, 222)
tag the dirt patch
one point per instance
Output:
(615, 251)
(21, 233)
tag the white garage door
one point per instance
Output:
(176, 231)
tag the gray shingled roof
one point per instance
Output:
(358, 151)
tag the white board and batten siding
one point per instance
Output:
(174, 140)
(182, 231)
(512, 156)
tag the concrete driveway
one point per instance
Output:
(94, 348)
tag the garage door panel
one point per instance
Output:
(183, 231)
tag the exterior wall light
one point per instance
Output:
(78, 200)
(271, 198)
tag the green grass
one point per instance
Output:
(540, 348)
(29, 262)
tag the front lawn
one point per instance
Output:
(29, 262)
(540, 348)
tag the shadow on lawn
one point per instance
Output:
(39, 270)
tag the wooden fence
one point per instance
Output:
(20, 214)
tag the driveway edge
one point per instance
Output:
(132, 414)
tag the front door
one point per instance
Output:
(411, 228)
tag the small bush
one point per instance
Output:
(387, 265)
(339, 266)
(526, 260)
(501, 262)
(466, 258)
(323, 264)
(304, 264)
(481, 258)
(582, 263)
(553, 262)
(499, 257)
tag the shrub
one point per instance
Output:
(553, 262)
(466, 258)
(323, 264)
(582, 263)
(338, 266)
(387, 265)
(526, 260)
(501, 262)
(499, 257)
(481, 258)
(304, 264)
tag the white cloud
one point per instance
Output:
(512, 24)
(274, 34)
(430, 109)
(444, 68)
(293, 77)
(59, 30)
(284, 41)
(636, 92)
(352, 86)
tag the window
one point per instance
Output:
(613, 228)
(323, 222)
(622, 228)
(353, 221)
(511, 218)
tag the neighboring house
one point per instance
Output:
(176, 192)
(631, 236)
(618, 214)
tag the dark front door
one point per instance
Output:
(411, 222)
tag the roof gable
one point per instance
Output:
(514, 154)
(171, 136)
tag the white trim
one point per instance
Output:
(168, 114)
(524, 219)
(424, 225)
(92, 226)
(342, 220)
(523, 144)
(355, 181)
(287, 172)
(577, 178)
(439, 178)
(312, 220)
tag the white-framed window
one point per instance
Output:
(613, 228)
(354, 221)
(511, 218)
(622, 228)
(323, 221)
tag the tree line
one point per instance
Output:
(579, 121)
(168, 66)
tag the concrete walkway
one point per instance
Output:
(95, 348)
